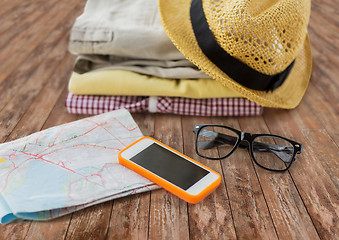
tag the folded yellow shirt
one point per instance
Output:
(122, 82)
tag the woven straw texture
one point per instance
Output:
(265, 35)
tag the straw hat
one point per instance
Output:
(258, 48)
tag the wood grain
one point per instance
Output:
(315, 173)
(22, 12)
(26, 42)
(55, 229)
(130, 215)
(14, 231)
(40, 63)
(90, 223)
(251, 216)
(317, 113)
(212, 217)
(31, 123)
(168, 213)
(292, 221)
(9, 7)
(323, 31)
(26, 127)
(49, 230)
(31, 86)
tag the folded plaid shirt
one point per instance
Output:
(88, 104)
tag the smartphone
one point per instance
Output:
(170, 169)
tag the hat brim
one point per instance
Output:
(175, 17)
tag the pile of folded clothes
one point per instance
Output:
(126, 60)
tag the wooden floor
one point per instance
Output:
(251, 203)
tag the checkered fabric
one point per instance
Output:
(88, 104)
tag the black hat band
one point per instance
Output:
(234, 68)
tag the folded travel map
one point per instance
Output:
(68, 167)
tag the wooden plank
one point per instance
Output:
(22, 33)
(326, 9)
(323, 76)
(13, 112)
(57, 228)
(251, 216)
(145, 122)
(288, 212)
(212, 217)
(14, 231)
(130, 215)
(90, 223)
(168, 213)
(24, 44)
(9, 6)
(19, 230)
(48, 230)
(29, 124)
(37, 60)
(324, 56)
(324, 42)
(21, 14)
(306, 118)
(53, 63)
(59, 114)
(38, 57)
(326, 34)
(315, 172)
(316, 112)
(42, 103)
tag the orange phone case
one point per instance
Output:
(165, 184)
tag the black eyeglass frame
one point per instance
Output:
(249, 138)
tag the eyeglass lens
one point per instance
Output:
(214, 136)
(273, 152)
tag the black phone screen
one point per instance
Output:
(169, 166)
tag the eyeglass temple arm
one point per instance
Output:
(218, 139)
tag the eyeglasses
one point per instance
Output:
(271, 152)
